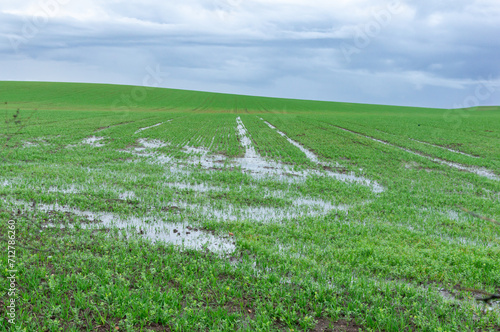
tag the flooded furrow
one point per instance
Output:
(251, 163)
(376, 188)
(309, 154)
(112, 126)
(445, 148)
(146, 128)
(476, 170)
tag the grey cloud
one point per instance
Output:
(432, 58)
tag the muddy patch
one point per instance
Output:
(325, 325)
(460, 296)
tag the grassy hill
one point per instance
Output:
(43, 95)
(147, 209)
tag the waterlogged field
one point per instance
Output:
(190, 211)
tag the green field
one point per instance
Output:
(146, 209)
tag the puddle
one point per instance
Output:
(70, 190)
(472, 297)
(456, 297)
(205, 161)
(467, 242)
(411, 165)
(127, 195)
(6, 183)
(196, 187)
(195, 150)
(213, 162)
(220, 209)
(254, 163)
(416, 166)
(298, 207)
(453, 215)
(323, 206)
(445, 148)
(35, 142)
(146, 128)
(93, 141)
(286, 250)
(251, 163)
(432, 217)
(152, 144)
(476, 170)
(180, 234)
(263, 214)
(30, 144)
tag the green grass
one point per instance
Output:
(405, 259)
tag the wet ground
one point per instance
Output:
(476, 170)
(155, 228)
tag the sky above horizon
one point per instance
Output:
(417, 53)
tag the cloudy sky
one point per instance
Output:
(421, 53)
